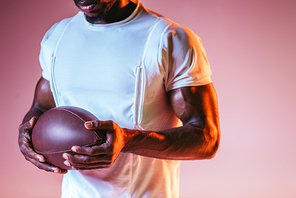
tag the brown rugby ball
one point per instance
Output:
(60, 128)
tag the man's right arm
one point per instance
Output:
(43, 101)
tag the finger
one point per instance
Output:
(98, 125)
(91, 151)
(27, 149)
(104, 148)
(40, 162)
(47, 167)
(33, 155)
(32, 121)
(86, 162)
(84, 159)
(91, 166)
(27, 126)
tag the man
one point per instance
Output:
(139, 73)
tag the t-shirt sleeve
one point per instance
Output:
(46, 53)
(184, 59)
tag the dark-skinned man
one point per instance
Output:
(140, 74)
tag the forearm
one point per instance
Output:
(182, 143)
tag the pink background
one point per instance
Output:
(251, 48)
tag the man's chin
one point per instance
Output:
(94, 18)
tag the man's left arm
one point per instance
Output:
(198, 138)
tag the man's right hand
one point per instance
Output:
(43, 101)
(27, 150)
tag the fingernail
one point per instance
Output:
(40, 159)
(74, 148)
(65, 156)
(67, 163)
(88, 124)
(31, 121)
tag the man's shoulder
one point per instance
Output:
(156, 16)
(167, 23)
(56, 30)
(59, 25)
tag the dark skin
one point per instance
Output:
(196, 107)
(198, 138)
(106, 11)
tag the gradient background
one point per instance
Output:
(251, 48)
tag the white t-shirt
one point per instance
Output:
(122, 72)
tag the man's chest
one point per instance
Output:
(98, 61)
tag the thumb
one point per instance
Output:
(32, 121)
(98, 125)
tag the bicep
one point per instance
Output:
(43, 98)
(196, 105)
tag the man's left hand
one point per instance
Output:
(98, 156)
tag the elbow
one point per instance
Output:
(212, 149)
(211, 144)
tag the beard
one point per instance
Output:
(100, 13)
